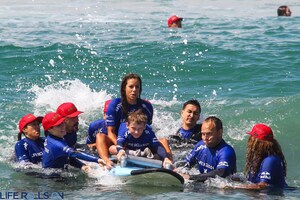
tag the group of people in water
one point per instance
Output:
(126, 130)
(176, 22)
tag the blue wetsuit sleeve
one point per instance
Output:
(76, 163)
(212, 174)
(161, 152)
(155, 144)
(111, 114)
(84, 156)
(121, 137)
(227, 160)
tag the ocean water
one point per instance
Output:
(236, 57)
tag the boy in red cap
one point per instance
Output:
(70, 112)
(175, 22)
(265, 162)
(29, 149)
(57, 153)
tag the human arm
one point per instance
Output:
(148, 110)
(111, 133)
(212, 174)
(121, 139)
(252, 186)
(102, 144)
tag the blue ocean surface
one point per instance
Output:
(236, 57)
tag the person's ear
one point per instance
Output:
(24, 130)
(220, 132)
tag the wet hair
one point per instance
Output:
(281, 11)
(258, 150)
(137, 117)
(123, 92)
(20, 136)
(192, 102)
(216, 121)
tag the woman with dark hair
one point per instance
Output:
(265, 162)
(29, 149)
(118, 111)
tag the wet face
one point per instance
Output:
(58, 131)
(132, 90)
(210, 136)
(288, 12)
(135, 129)
(32, 130)
(176, 24)
(190, 115)
(72, 124)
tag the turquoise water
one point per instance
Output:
(236, 57)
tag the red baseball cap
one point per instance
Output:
(52, 119)
(106, 104)
(26, 119)
(262, 132)
(173, 19)
(68, 109)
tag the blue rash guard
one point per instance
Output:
(114, 115)
(95, 127)
(209, 159)
(29, 150)
(270, 172)
(147, 139)
(57, 154)
(185, 138)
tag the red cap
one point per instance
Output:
(262, 132)
(106, 104)
(52, 119)
(28, 119)
(68, 109)
(173, 19)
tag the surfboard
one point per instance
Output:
(141, 170)
(148, 176)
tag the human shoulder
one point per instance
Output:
(272, 160)
(200, 146)
(94, 125)
(115, 102)
(147, 102)
(53, 141)
(148, 131)
(20, 143)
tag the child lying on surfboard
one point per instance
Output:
(137, 138)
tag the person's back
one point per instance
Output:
(95, 127)
(270, 171)
(29, 150)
